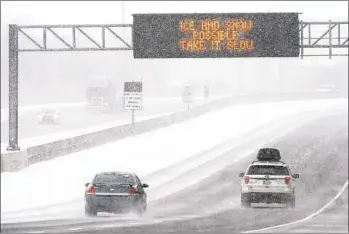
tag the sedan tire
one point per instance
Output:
(89, 211)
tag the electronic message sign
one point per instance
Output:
(215, 35)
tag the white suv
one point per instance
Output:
(268, 182)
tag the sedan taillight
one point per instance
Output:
(132, 190)
(287, 179)
(91, 189)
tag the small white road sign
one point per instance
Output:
(133, 95)
(188, 94)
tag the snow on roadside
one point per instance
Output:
(62, 179)
(146, 101)
(28, 142)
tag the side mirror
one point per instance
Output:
(241, 174)
(87, 184)
(145, 186)
(296, 176)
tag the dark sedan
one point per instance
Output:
(115, 192)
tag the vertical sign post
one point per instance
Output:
(133, 97)
(13, 88)
(207, 92)
(133, 116)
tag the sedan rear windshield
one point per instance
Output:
(114, 178)
(268, 170)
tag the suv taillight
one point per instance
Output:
(132, 190)
(91, 189)
(247, 179)
(287, 179)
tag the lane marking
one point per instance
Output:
(107, 226)
(308, 217)
(147, 223)
(74, 229)
(36, 232)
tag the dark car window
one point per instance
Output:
(138, 181)
(267, 170)
(115, 178)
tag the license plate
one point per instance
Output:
(266, 182)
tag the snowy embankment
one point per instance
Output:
(172, 105)
(27, 109)
(35, 108)
(61, 135)
(62, 179)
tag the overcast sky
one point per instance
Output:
(74, 12)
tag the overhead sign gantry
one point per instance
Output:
(185, 36)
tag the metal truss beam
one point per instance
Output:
(345, 42)
(333, 36)
(324, 34)
(88, 37)
(117, 36)
(30, 38)
(74, 46)
(76, 25)
(58, 37)
(74, 49)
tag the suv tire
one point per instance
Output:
(291, 201)
(245, 201)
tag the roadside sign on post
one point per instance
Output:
(133, 95)
(188, 95)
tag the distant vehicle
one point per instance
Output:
(102, 96)
(49, 116)
(115, 192)
(268, 180)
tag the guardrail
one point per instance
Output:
(15, 161)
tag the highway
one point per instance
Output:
(318, 151)
(332, 220)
